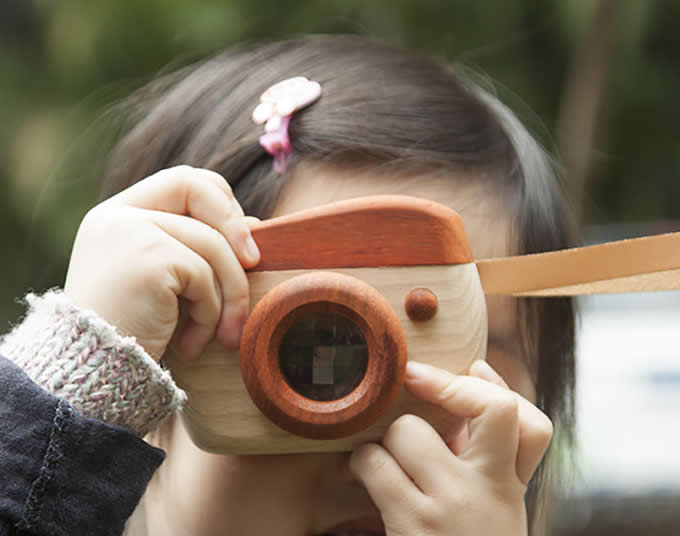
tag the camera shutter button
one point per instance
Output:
(421, 304)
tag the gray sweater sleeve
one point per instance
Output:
(77, 356)
(75, 398)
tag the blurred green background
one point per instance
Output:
(596, 81)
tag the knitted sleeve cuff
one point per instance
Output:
(76, 355)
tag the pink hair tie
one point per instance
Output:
(276, 107)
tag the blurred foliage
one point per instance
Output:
(64, 65)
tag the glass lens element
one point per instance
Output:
(323, 355)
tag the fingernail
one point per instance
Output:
(484, 371)
(417, 371)
(251, 250)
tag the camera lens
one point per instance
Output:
(323, 356)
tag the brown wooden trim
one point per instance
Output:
(635, 265)
(386, 363)
(387, 230)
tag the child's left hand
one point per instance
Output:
(471, 483)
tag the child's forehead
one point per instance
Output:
(485, 215)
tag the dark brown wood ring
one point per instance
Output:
(323, 291)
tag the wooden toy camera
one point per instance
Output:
(343, 296)
(346, 293)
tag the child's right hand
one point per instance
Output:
(179, 233)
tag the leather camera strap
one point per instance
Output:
(635, 265)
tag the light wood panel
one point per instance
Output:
(221, 417)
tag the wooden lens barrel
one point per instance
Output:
(359, 303)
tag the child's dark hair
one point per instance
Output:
(381, 108)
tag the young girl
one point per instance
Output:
(175, 238)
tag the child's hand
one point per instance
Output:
(176, 234)
(470, 483)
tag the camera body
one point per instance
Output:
(344, 295)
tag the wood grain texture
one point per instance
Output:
(635, 265)
(221, 417)
(365, 232)
(275, 313)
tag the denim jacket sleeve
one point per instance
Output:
(62, 473)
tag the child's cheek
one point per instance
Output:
(514, 371)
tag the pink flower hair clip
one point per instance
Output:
(276, 107)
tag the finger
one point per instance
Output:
(232, 280)
(536, 431)
(167, 189)
(535, 428)
(194, 280)
(493, 414)
(427, 461)
(389, 486)
(481, 369)
(252, 221)
(458, 441)
(201, 194)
